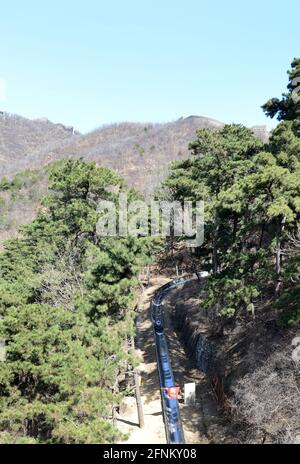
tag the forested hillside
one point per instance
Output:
(140, 153)
(251, 192)
(23, 140)
(32, 144)
(252, 197)
(67, 304)
(67, 296)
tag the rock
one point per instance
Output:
(296, 351)
(296, 355)
(127, 406)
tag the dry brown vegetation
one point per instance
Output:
(25, 142)
(141, 153)
(267, 401)
(258, 377)
(19, 203)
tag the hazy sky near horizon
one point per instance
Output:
(88, 63)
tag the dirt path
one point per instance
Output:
(154, 432)
(184, 372)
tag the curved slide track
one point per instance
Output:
(170, 407)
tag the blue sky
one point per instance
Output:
(88, 63)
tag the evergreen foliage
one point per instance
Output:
(252, 209)
(66, 305)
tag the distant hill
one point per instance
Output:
(141, 153)
(23, 141)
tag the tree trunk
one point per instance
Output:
(215, 246)
(137, 390)
(280, 228)
(279, 231)
(244, 243)
(114, 416)
(138, 398)
(262, 235)
(235, 225)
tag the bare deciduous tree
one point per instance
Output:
(267, 401)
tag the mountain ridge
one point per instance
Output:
(140, 152)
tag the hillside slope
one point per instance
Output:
(25, 142)
(140, 152)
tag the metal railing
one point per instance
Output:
(170, 407)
